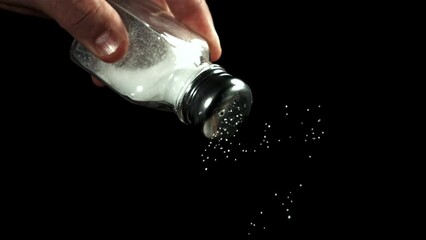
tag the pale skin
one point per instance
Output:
(97, 25)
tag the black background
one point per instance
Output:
(81, 161)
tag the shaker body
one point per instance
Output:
(164, 56)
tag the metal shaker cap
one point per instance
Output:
(217, 103)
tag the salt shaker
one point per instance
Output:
(167, 67)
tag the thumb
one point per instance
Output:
(94, 23)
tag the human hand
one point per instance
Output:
(96, 25)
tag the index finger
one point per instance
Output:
(197, 16)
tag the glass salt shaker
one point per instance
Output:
(167, 67)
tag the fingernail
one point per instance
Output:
(106, 44)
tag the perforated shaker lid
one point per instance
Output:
(217, 103)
